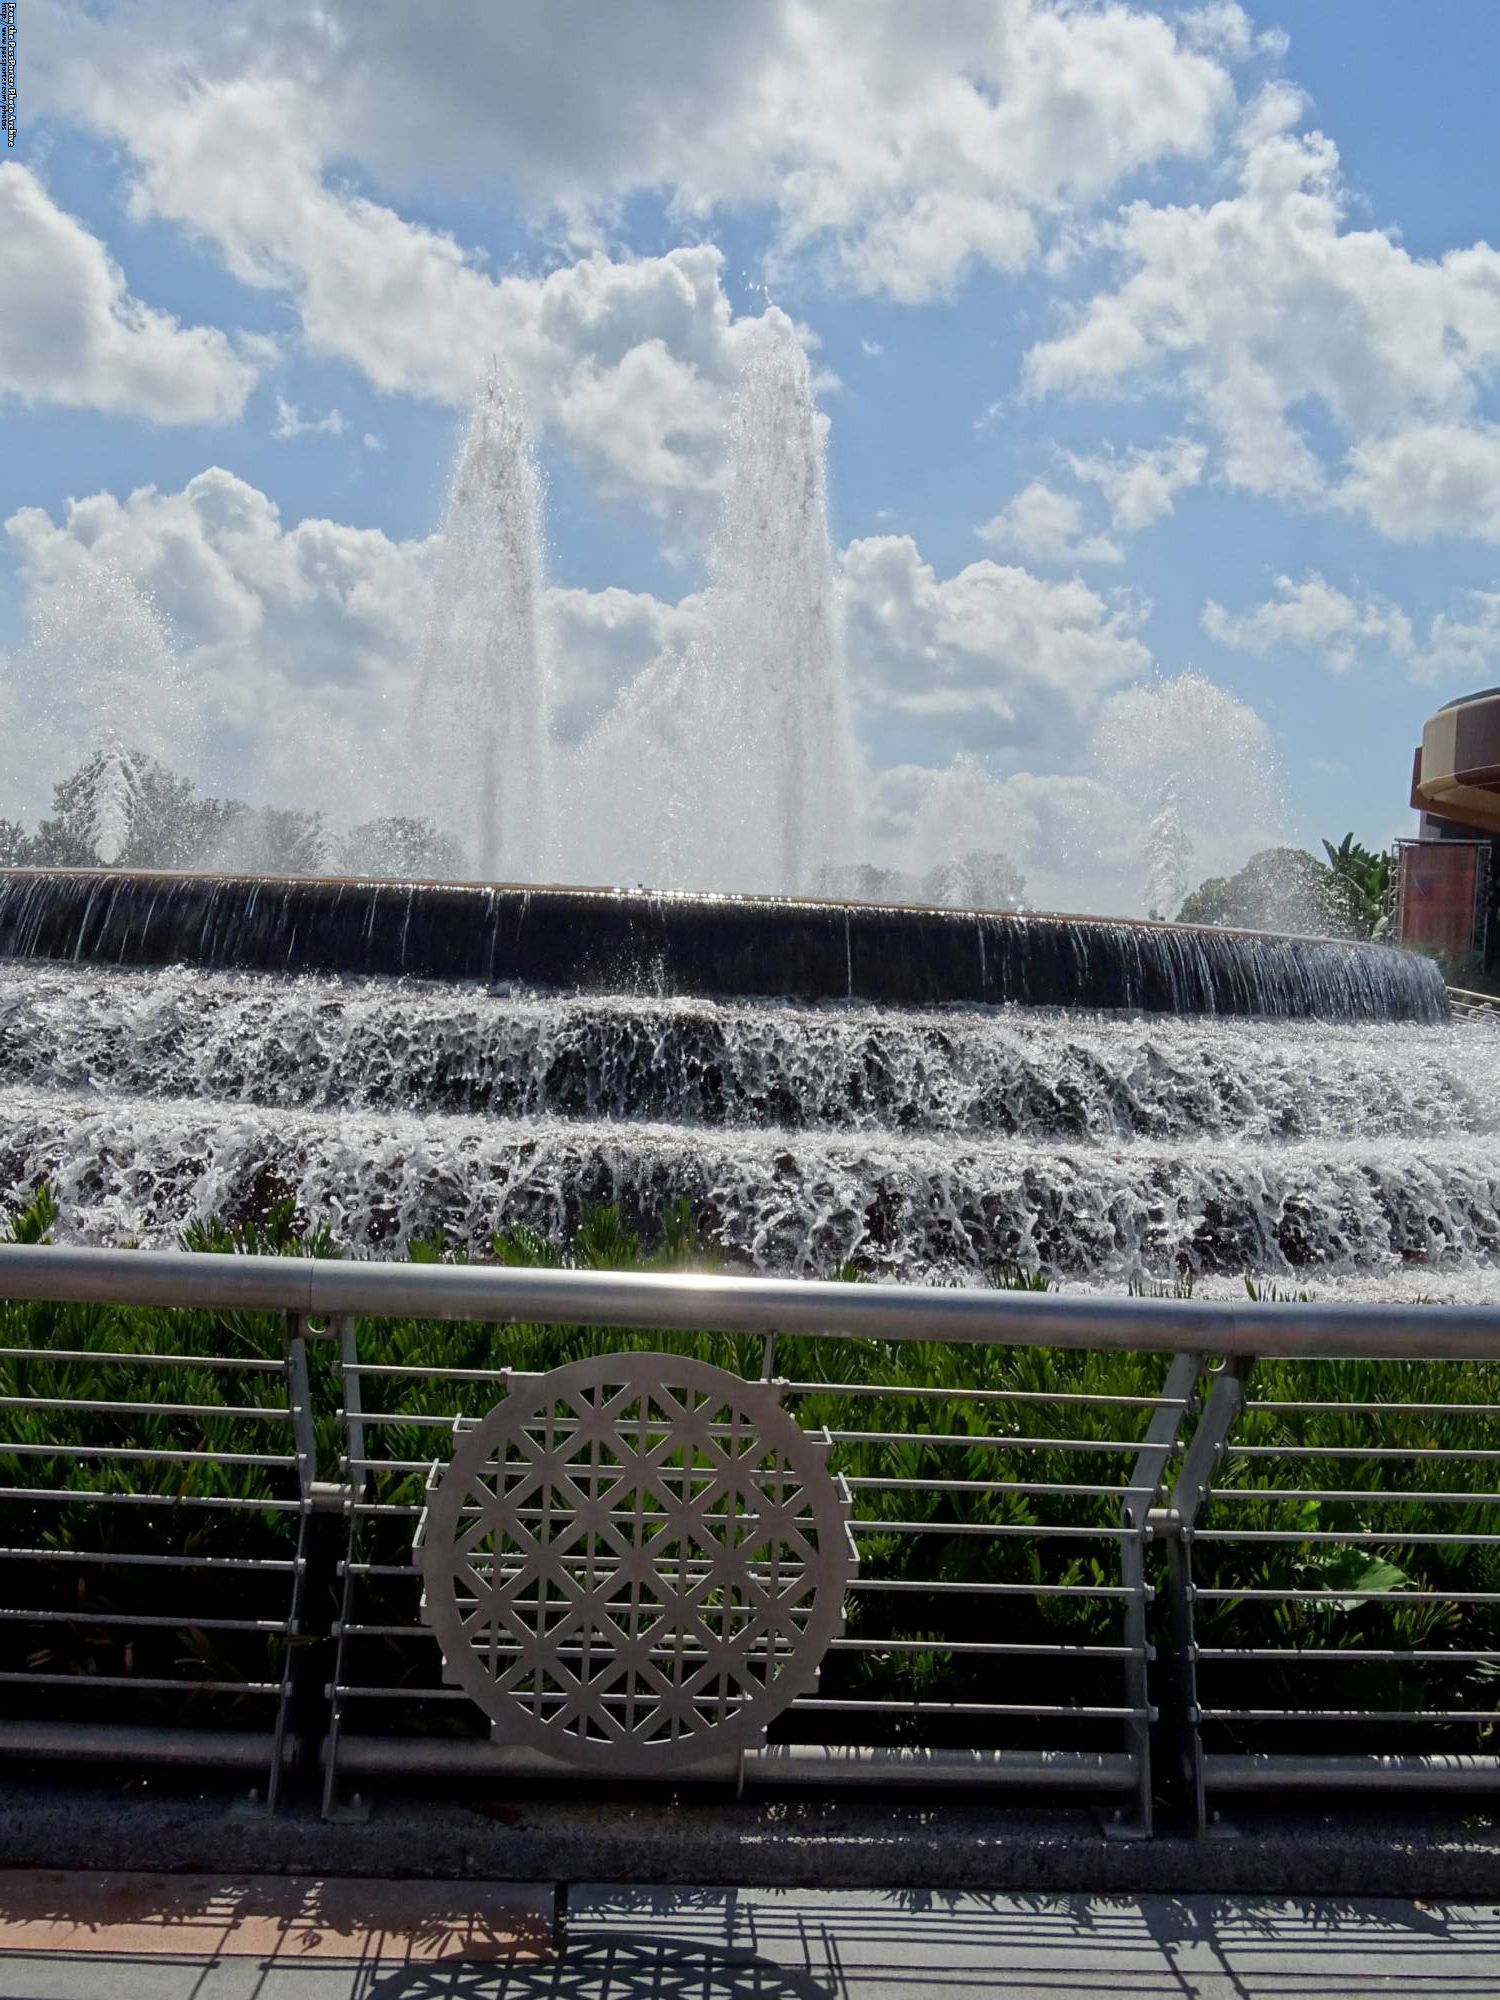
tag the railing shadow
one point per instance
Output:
(615, 1966)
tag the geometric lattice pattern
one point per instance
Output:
(634, 1562)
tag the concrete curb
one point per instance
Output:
(868, 1845)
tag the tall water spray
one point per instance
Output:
(729, 763)
(785, 756)
(484, 701)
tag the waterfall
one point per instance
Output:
(917, 1141)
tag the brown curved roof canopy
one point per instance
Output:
(1457, 772)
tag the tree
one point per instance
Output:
(981, 879)
(409, 849)
(1279, 889)
(271, 840)
(14, 845)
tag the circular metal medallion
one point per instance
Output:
(635, 1561)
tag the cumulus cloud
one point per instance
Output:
(898, 147)
(300, 643)
(1262, 304)
(1141, 486)
(992, 654)
(1426, 480)
(625, 361)
(1315, 617)
(1312, 616)
(72, 333)
(1048, 526)
(290, 423)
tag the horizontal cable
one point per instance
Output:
(1373, 1409)
(222, 1501)
(395, 1421)
(248, 1411)
(948, 1395)
(141, 1454)
(935, 1587)
(1353, 1495)
(1033, 1488)
(1353, 1537)
(934, 1393)
(1385, 1654)
(993, 1442)
(144, 1684)
(21, 1615)
(1059, 1711)
(356, 1629)
(1029, 1488)
(405, 1510)
(151, 1562)
(1381, 1451)
(1337, 1593)
(1349, 1715)
(143, 1360)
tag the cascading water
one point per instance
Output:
(920, 1142)
(484, 703)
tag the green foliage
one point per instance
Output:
(1279, 889)
(33, 1224)
(1370, 878)
(1341, 1526)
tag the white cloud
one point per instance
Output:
(993, 653)
(1427, 480)
(72, 333)
(1264, 304)
(627, 362)
(290, 423)
(1312, 616)
(1315, 617)
(299, 643)
(1047, 525)
(898, 146)
(1464, 647)
(1140, 486)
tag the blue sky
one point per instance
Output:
(1150, 340)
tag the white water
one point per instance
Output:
(732, 765)
(483, 763)
(918, 1143)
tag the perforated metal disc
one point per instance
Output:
(635, 1561)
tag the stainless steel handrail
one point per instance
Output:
(318, 1288)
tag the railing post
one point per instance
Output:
(341, 1582)
(1135, 1514)
(325, 1503)
(1173, 1528)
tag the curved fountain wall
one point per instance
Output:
(622, 941)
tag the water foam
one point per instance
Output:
(916, 1142)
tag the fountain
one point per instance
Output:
(928, 1090)
(483, 759)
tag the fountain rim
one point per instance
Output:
(721, 897)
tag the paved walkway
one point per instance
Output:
(75, 1937)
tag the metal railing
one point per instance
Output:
(1470, 1006)
(1140, 1580)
